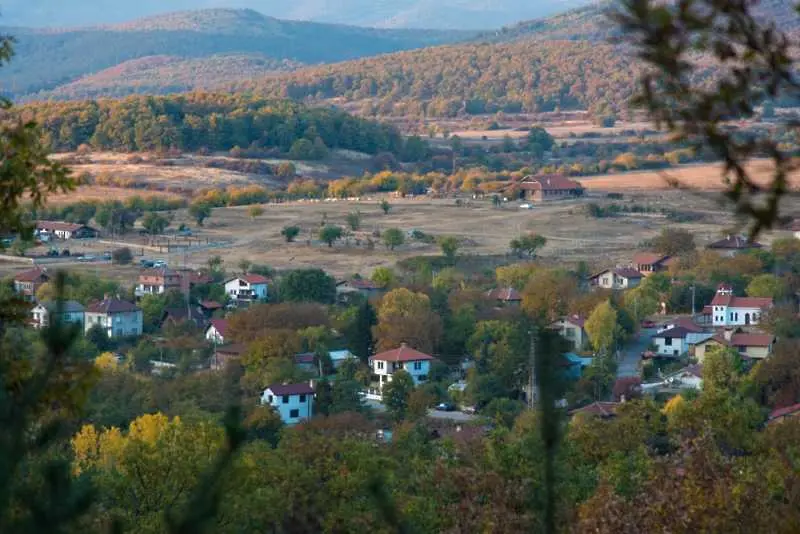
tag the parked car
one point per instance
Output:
(107, 255)
(526, 206)
(146, 263)
(87, 257)
(469, 410)
(647, 323)
(446, 407)
(159, 264)
(65, 252)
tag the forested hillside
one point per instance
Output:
(477, 78)
(207, 121)
(49, 58)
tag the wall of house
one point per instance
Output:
(574, 334)
(116, 324)
(725, 316)
(292, 408)
(213, 335)
(757, 352)
(260, 291)
(670, 346)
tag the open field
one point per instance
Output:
(705, 177)
(96, 192)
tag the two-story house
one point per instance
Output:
(42, 313)
(215, 331)
(755, 345)
(384, 365)
(159, 281)
(729, 310)
(572, 329)
(672, 342)
(648, 263)
(733, 245)
(617, 278)
(28, 282)
(118, 318)
(293, 402)
(248, 287)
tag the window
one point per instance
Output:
(380, 365)
(667, 341)
(569, 333)
(417, 366)
(422, 378)
(731, 316)
(285, 399)
(294, 413)
(269, 399)
(302, 398)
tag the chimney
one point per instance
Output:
(403, 345)
(313, 384)
(106, 296)
(622, 398)
(728, 334)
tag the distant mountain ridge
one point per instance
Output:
(51, 57)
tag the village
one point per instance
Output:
(669, 305)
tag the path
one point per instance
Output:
(632, 353)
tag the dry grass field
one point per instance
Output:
(95, 192)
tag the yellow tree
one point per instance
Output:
(549, 293)
(602, 327)
(406, 317)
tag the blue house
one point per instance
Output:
(573, 365)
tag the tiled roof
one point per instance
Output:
(648, 258)
(734, 243)
(31, 275)
(575, 319)
(255, 279)
(553, 182)
(674, 332)
(783, 412)
(741, 302)
(602, 409)
(507, 294)
(304, 358)
(220, 325)
(627, 272)
(403, 353)
(111, 306)
(743, 340)
(234, 349)
(362, 283)
(162, 272)
(686, 323)
(291, 389)
(211, 305)
(59, 225)
(179, 314)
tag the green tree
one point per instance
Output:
(330, 234)
(673, 242)
(385, 207)
(286, 169)
(396, 394)
(356, 327)
(383, 277)
(449, 246)
(354, 220)
(308, 285)
(602, 328)
(393, 237)
(255, 211)
(155, 223)
(290, 232)
(200, 211)
(767, 285)
(527, 244)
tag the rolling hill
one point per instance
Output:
(453, 14)
(49, 58)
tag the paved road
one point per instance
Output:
(632, 353)
(458, 417)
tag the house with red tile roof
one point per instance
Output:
(729, 310)
(648, 263)
(571, 328)
(755, 345)
(363, 286)
(216, 330)
(248, 287)
(293, 402)
(733, 245)
(549, 187)
(507, 296)
(780, 415)
(617, 278)
(604, 410)
(26, 283)
(65, 230)
(384, 365)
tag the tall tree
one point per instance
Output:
(602, 328)
(407, 317)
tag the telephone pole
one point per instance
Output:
(533, 390)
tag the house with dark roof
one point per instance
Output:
(672, 342)
(571, 328)
(506, 296)
(603, 410)
(26, 283)
(753, 345)
(729, 310)
(225, 354)
(384, 365)
(550, 187)
(293, 402)
(362, 286)
(648, 263)
(71, 312)
(209, 307)
(216, 330)
(248, 288)
(118, 318)
(182, 314)
(617, 278)
(65, 230)
(733, 245)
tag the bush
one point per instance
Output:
(122, 256)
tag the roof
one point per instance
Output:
(693, 369)
(179, 314)
(70, 306)
(362, 283)
(507, 294)
(575, 319)
(210, 305)
(628, 272)
(674, 332)
(783, 412)
(648, 258)
(60, 225)
(234, 349)
(291, 389)
(741, 302)
(551, 182)
(686, 323)
(743, 340)
(598, 408)
(220, 325)
(734, 243)
(304, 358)
(403, 353)
(111, 306)
(31, 275)
(337, 355)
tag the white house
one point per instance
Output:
(73, 312)
(672, 342)
(247, 287)
(572, 329)
(215, 332)
(294, 402)
(385, 364)
(65, 230)
(728, 310)
(618, 278)
(118, 318)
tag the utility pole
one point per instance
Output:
(533, 390)
(693, 306)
